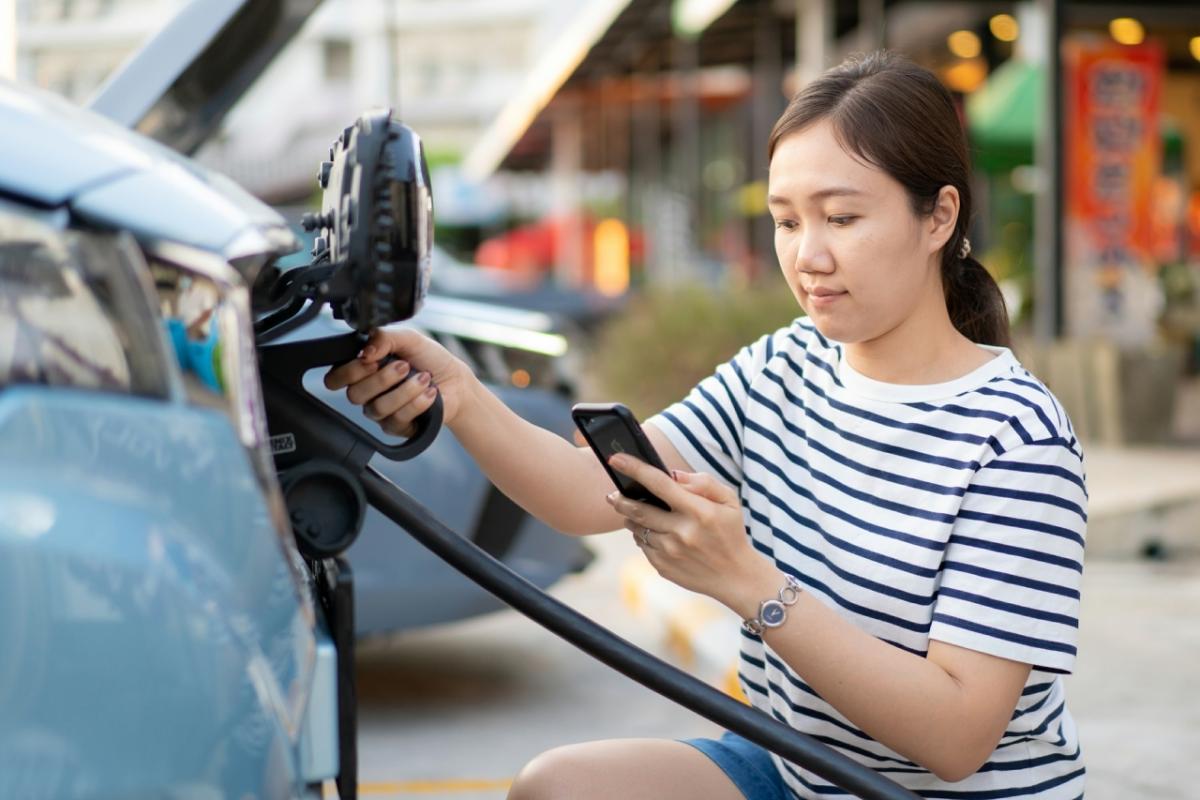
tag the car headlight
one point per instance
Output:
(76, 311)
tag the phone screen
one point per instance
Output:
(610, 436)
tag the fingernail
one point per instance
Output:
(611, 497)
(399, 367)
(368, 351)
(424, 377)
(617, 461)
(431, 391)
(675, 474)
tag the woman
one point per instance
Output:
(883, 465)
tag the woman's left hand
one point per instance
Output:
(701, 544)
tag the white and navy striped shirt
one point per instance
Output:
(953, 511)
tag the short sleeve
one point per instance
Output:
(706, 427)
(1010, 585)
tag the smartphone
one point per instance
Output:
(611, 428)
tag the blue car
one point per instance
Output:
(164, 636)
(161, 634)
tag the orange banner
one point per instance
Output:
(1113, 150)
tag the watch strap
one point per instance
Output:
(772, 612)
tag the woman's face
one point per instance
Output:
(855, 256)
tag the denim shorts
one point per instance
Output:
(747, 765)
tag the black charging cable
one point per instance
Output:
(607, 647)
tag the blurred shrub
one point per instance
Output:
(669, 339)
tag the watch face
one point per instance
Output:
(773, 613)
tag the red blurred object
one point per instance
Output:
(532, 249)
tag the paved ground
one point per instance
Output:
(456, 711)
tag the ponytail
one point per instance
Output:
(974, 301)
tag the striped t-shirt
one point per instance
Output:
(952, 511)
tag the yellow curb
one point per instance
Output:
(424, 787)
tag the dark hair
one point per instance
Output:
(898, 116)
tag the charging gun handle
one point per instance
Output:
(288, 363)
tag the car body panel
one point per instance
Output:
(155, 643)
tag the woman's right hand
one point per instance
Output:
(395, 405)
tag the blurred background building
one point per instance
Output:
(615, 144)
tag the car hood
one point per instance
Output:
(60, 155)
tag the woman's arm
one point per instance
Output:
(946, 711)
(559, 483)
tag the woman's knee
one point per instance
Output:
(556, 774)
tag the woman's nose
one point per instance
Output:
(812, 255)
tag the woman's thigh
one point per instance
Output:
(629, 769)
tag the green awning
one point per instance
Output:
(1003, 117)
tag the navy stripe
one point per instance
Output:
(1037, 409)
(1022, 552)
(962, 411)
(734, 430)
(995, 794)
(915, 427)
(1024, 524)
(746, 354)
(1016, 580)
(1021, 712)
(845, 575)
(903, 452)
(1020, 429)
(1037, 687)
(844, 460)
(1027, 763)
(841, 544)
(845, 746)
(835, 511)
(825, 365)
(704, 420)
(901, 480)
(701, 449)
(871, 613)
(822, 717)
(1011, 608)
(734, 401)
(1008, 636)
(1033, 497)
(933, 516)
(1037, 469)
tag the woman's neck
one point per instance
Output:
(925, 348)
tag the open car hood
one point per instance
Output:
(180, 85)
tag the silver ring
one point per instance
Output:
(645, 537)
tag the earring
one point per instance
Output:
(965, 249)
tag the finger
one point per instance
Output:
(391, 401)
(643, 514)
(706, 485)
(376, 384)
(378, 345)
(654, 479)
(579, 440)
(351, 372)
(401, 422)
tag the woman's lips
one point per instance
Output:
(824, 297)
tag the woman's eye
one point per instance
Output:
(842, 220)
(785, 224)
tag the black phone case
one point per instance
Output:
(582, 413)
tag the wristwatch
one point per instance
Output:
(773, 612)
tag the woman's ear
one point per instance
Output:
(944, 218)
